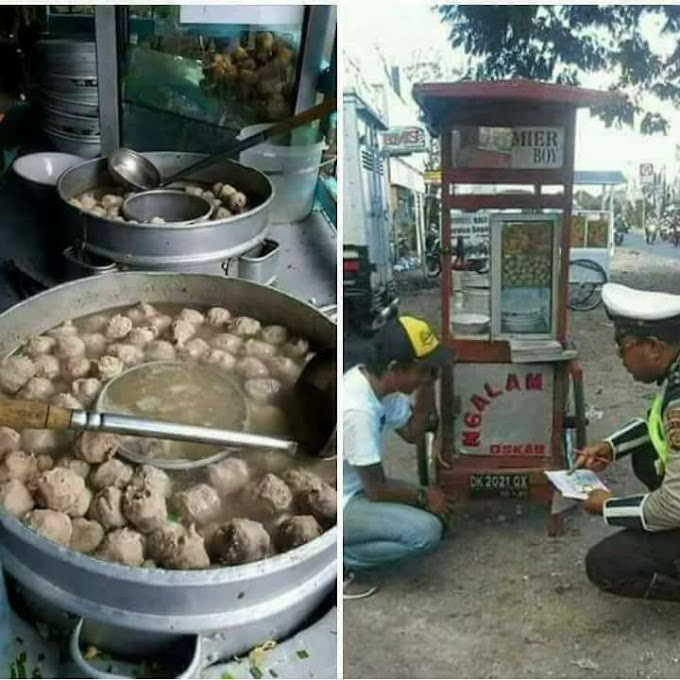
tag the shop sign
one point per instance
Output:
(467, 225)
(433, 176)
(646, 174)
(402, 141)
(505, 410)
(537, 148)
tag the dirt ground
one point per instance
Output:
(500, 599)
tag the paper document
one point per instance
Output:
(576, 485)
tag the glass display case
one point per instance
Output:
(590, 229)
(524, 265)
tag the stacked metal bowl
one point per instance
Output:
(67, 73)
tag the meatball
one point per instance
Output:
(37, 389)
(163, 541)
(47, 366)
(250, 367)
(194, 349)
(18, 465)
(144, 508)
(220, 358)
(118, 327)
(149, 475)
(55, 526)
(66, 330)
(80, 467)
(45, 462)
(129, 354)
(15, 498)
(161, 323)
(322, 502)
(263, 390)
(69, 346)
(160, 350)
(141, 313)
(124, 546)
(229, 476)
(86, 535)
(181, 331)
(95, 344)
(259, 349)
(106, 508)
(198, 505)
(77, 367)
(237, 202)
(275, 335)
(82, 504)
(227, 343)
(240, 541)
(297, 531)
(10, 440)
(285, 369)
(44, 441)
(59, 489)
(192, 316)
(86, 390)
(218, 316)
(270, 496)
(300, 480)
(189, 551)
(108, 367)
(66, 400)
(15, 372)
(39, 345)
(111, 473)
(296, 348)
(95, 323)
(96, 447)
(244, 326)
(142, 335)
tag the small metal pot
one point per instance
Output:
(173, 206)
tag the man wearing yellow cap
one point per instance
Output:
(385, 519)
(643, 560)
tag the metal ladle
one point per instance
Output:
(129, 167)
(312, 403)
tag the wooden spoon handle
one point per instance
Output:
(36, 415)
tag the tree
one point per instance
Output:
(566, 43)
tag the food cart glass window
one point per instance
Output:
(194, 76)
(527, 257)
(520, 148)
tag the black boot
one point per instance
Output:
(663, 587)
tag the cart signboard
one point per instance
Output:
(538, 148)
(505, 410)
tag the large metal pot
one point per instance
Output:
(248, 603)
(165, 247)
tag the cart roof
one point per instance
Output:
(481, 97)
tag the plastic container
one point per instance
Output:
(293, 170)
(260, 264)
(477, 300)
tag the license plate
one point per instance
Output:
(504, 485)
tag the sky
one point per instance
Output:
(399, 28)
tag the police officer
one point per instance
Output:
(643, 560)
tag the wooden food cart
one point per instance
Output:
(514, 397)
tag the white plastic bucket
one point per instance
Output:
(293, 170)
(477, 300)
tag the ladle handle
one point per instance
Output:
(318, 111)
(35, 415)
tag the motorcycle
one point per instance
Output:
(651, 231)
(433, 264)
(620, 230)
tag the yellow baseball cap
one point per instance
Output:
(407, 338)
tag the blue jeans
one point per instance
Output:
(375, 534)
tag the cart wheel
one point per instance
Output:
(586, 279)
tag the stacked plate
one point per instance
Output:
(67, 73)
(530, 321)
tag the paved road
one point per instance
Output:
(636, 241)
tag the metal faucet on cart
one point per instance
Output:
(512, 407)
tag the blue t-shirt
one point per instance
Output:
(364, 419)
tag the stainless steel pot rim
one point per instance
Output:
(171, 577)
(85, 139)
